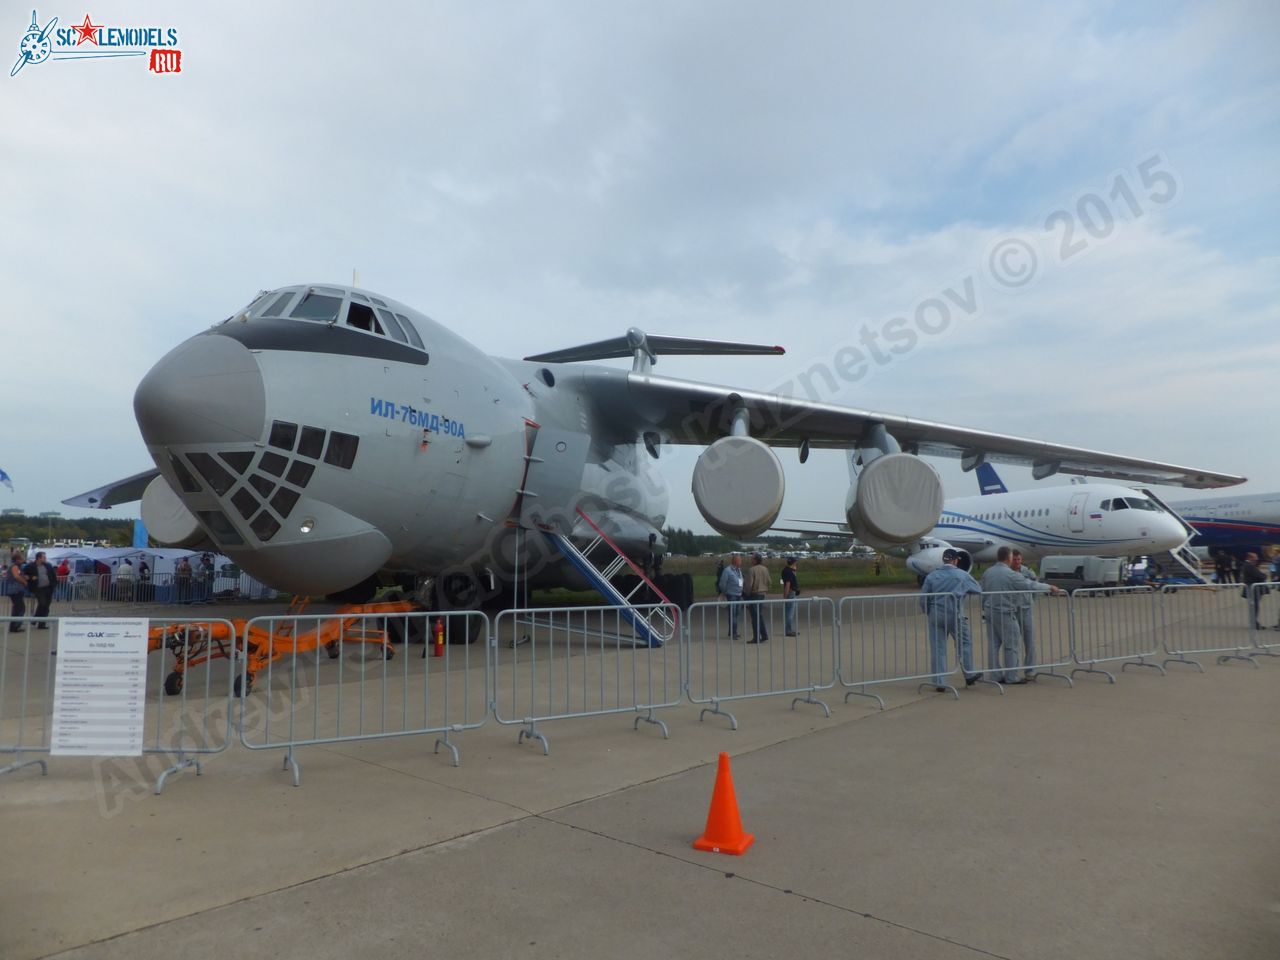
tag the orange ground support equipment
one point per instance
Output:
(724, 832)
(195, 643)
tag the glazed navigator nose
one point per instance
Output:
(206, 390)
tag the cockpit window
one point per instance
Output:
(392, 325)
(1119, 504)
(1105, 505)
(276, 306)
(255, 309)
(1139, 503)
(361, 317)
(408, 328)
(318, 306)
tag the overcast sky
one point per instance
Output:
(536, 175)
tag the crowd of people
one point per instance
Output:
(752, 587)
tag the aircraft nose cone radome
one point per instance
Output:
(206, 390)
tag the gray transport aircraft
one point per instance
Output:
(329, 439)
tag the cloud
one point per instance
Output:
(540, 174)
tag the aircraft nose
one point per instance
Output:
(206, 390)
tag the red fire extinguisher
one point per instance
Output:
(439, 638)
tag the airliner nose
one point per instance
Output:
(206, 390)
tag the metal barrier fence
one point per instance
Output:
(580, 662)
(164, 588)
(1204, 618)
(186, 712)
(1025, 636)
(26, 693)
(1265, 609)
(737, 650)
(1115, 625)
(189, 704)
(886, 638)
(335, 678)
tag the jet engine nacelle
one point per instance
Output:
(738, 486)
(167, 518)
(897, 498)
(924, 562)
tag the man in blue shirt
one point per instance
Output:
(942, 600)
(730, 587)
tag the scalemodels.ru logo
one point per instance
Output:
(89, 40)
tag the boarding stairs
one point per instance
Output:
(600, 561)
(1181, 561)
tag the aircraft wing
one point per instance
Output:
(690, 412)
(121, 491)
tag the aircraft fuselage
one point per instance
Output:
(316, 455)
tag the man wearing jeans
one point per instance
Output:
(754, 592)
(730, 586)
(790, 590)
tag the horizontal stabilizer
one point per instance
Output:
(616, 348)
(121, 491)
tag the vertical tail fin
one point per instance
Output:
(989, 481)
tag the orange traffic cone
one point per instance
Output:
(724, 825)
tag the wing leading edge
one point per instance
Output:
(121, 491)
(690, 412)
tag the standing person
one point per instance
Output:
(145, 593)
(1250, 575)
(15, 585)
(1022, 612)
(41, 579)
(182, 577)
(755, 591)
(942, 600)
(1222, 567)
(1000, 585)
(124, 581)
(730, 587)
(64, 579)
(206, 572)
(790, 590)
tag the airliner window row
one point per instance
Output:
(1014, 514)
(325, 305)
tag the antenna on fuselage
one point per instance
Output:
(355, 277)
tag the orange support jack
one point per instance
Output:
(724, 832)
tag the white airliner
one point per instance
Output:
(1083, 519)
(329, 439)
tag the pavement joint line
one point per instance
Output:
(285, 888)
(424, 779)
(714, 868)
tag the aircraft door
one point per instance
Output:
(1075, 513)
(554, 481)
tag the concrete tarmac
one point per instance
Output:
(1128, 820)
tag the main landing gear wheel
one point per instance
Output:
(173, 684)
(248, 685)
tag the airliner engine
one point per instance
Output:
(924, 562)
(738, 486)
(896, 498)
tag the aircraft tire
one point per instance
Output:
(173, 684)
